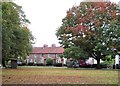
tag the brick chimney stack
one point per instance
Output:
(45, 46)
(53, 45)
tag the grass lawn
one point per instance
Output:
(51, 75)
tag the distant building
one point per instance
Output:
(41, 54)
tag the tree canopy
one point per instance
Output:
(16, 37)
(92, 26)
(75, 53)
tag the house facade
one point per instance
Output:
(41, 54)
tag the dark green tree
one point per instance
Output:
(16, 37)
(75, 53)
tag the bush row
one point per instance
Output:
(41, 64)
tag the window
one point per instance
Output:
(31, 60)
(35, 56)
(35, 61)
(40, 55)
(41, 60)
(48, 55)
(56, 55)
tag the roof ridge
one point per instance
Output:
(48, 47)
(48, 50)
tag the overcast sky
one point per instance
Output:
(45, 17)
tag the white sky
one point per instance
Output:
(45, 17)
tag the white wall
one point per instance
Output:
(93, 61)
(117, 59)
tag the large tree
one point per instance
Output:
(16, 37)
(92, 26)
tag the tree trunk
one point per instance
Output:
(98, 63)
(3, 62)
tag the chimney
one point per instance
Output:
(45, 46)
(53, 45)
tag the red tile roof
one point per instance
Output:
(47, 50)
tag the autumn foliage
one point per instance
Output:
(91, 14)
(89, 26)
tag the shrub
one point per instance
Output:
(103, 65)
(24, 64)
(58, 64)
(30, 64)
(109, 61)
(40, 64)
(49, 61)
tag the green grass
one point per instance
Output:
(51, 75)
